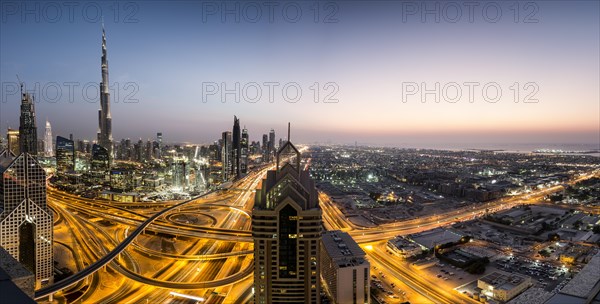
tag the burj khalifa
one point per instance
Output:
(105, 138)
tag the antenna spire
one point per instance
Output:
(288, 131)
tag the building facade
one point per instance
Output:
(344, 269)
(100, 163)
(244, 152)
(48, 145)
(13, 142)
(236, 148)
(65, 155)
(25, 219)
(503, 286)
(28, 142)
(286, 227)
(226, 155)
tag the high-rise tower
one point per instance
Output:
(236, 148)
(48, 147)
(25, 219)
(27, 127)
(286, 228)
(104, 118)
(244, 152)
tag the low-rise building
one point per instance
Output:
(503, 286)
(344, 269)
(404, 248)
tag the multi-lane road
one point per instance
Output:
(212, 261)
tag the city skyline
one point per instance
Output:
(442, 152)
(565, 111)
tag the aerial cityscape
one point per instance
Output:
(300, 152)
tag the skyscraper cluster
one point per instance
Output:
(234, 149)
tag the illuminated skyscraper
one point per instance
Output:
(286, 227)
(65, 155)
(13, 141)
(100, 160)
(265, 148)
(48, 147)
(244, 152)
(271, 144)
(105, 138)
(159, 140)
(25, 219)
(226, 155)
(27, 128)
(236, 148)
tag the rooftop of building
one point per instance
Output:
(503, 280)
(11, 270)
(584, 281)
(343, 249)
(436, 236)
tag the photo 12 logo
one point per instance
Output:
(69, 11)
(470, 91)
(54, 92)
(271, 91)
(270, 11)
(470, 11)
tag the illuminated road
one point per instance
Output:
(107, 258)
(214, 257)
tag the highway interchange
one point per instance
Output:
(213, 261)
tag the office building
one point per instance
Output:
(344, 269)
(503, 286)
(271, 144)
(286, 227)
(179, 173)
(236, 148)
(100, 163)
(28, 142)
(48, 145)
(265, 148)
(226, 155)
(13, 141)
(65, 155)
(25, 219)
(105, 138)
(244, 152)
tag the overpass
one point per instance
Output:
(81, 275)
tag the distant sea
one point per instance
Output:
(572, 149)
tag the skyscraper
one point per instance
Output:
(159, 140)
(286, 227)
(236, 148)
(65, 155)
(100, 160)
(271, 144)
(265, 147)
(244, 152)
(104, 118)
(25, 219)
(48, 140)
(27, 127)
(13, 141)
(226, 155)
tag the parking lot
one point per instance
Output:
(545, 275)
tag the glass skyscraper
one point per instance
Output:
(286, 227)
(65, 155)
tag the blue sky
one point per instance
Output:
(166, 52)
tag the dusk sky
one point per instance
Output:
(368, 51)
